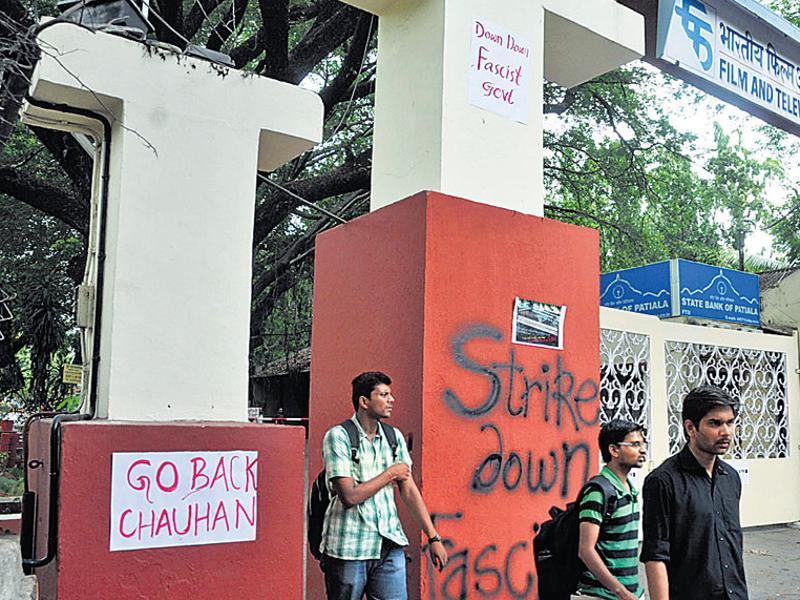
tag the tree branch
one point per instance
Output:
(74, 161)
(341, 86)
(275, 17)
(227, 25)
(351, 176)
(200, 11)
(49, 199)
(327, 34)
(249, 49)
(172, 12)
(566, 103)
(278, 276)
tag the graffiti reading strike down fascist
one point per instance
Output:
(487, 570)
(548, 392)
(508, 468)
(554, 387)
(161, 499)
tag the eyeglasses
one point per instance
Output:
(632, 444)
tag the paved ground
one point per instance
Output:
(13, 584)
(772, 560)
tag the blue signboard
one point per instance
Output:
(716, 293)
(641, 289)
(738, 50)
(684, 288)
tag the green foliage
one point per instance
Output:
(738, 186)
(614, 162)
(786, 228)
(788, 9)
(39, 257)
(11, 481)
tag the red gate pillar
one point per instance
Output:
(269, 566)
(424, 289)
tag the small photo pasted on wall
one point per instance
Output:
(538, 324)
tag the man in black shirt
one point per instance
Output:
(692, 547)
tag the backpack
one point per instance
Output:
(319, 497)
(555, 546)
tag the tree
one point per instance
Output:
(738, 187)
(613, 161)
(49, 172)
(786, 229)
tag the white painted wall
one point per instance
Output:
(773, 492)
(780, 305)
(428, 136)
(188, 138)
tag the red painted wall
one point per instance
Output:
(368, 315)
(424, 289)
(269, 567)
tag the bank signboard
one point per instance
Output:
(739, 47)
(715, 293)
(642, 289)
(684, 288)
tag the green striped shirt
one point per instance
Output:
(357, 533)
(618, 542)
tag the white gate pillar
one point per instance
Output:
(188, 138)
(428, 136)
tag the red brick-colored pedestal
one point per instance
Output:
(269, 567)
(424, 290)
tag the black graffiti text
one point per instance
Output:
(488, 571)
(560, 397)
(528, 471)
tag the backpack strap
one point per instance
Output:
(391, 437)
(609, 494)
(352, 433)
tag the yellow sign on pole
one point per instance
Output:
(73, 374)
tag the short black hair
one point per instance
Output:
(702, 400)
(366, 382)
(614, 432)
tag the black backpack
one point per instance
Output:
(555, 546)
(319, 497)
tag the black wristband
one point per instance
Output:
(436, 538)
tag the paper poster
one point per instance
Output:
(72, 374)
(742, 467)
(538, 324)
(499, 70)
(161, 499)
(636, 477)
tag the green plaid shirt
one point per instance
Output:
(356, 533)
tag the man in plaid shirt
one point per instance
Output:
(362, 538)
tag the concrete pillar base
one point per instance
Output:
(86, 568)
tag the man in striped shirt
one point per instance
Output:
(362, 538)
(608, 543)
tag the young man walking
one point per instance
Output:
(609, 527)
(692, 547)
(362, 538)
